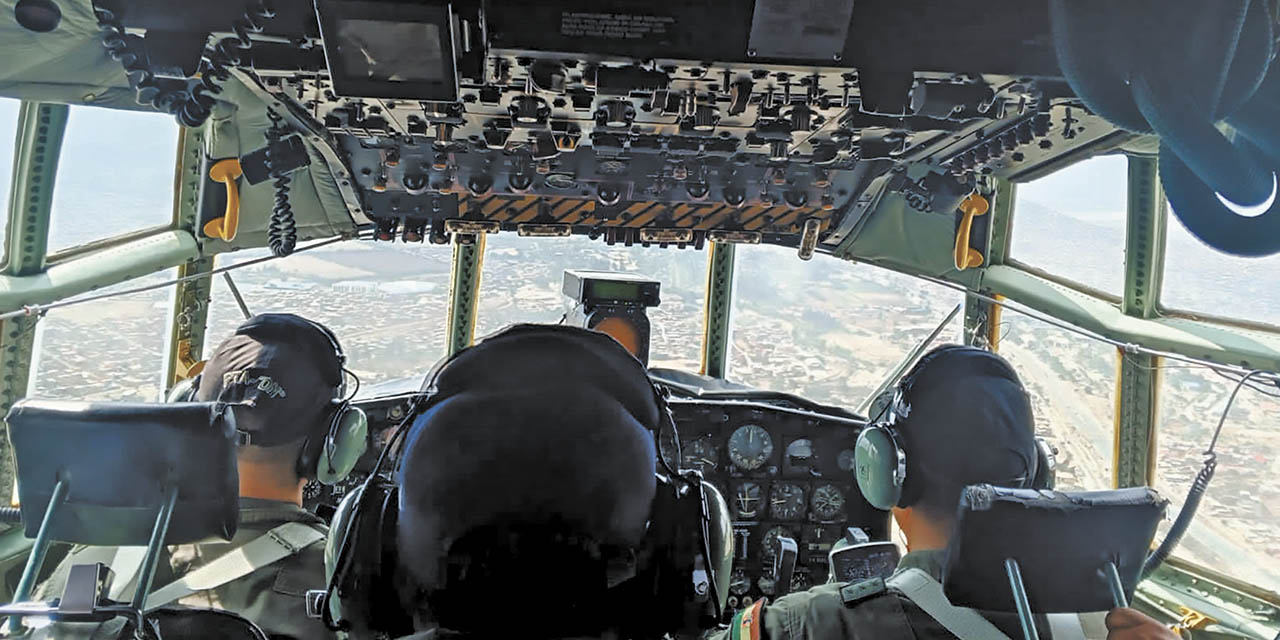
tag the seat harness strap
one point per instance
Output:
(279, 543)
(966, 624)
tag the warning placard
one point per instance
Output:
(613, 26)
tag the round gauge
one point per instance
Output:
(750, 446)
(748, 500)
(766, 585)
(769, 545)
(845, 460)
(787, 501)
(800, 580)
(828, 503)
(739, 582)
(560, 181)
(699, 454)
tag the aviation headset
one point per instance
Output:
(880, 461)
(330, 454)
(682, 567)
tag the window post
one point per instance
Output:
(190, 298)
(1138, 379)
(464, 289)
(35, 165)
(721, 259)
(981, 318)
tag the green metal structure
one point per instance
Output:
(719, 308)
(464, 290)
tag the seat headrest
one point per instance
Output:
(1061, 540)
(117, 459)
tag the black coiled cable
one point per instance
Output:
(282, 233)
(1185, 515)
(1198, 488)
(217, 60)
(10, 515)
(126, 49)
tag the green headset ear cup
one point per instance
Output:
(876, 465)
(350, 439)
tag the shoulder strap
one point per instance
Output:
(966, 624)
(125, 562)
(1066, 626)
(277, 544)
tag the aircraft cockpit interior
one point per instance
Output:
(779, 208)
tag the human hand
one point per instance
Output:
(1127, 624)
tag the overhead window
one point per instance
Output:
(523, 280)
(1071, 380)
(1071, 223)
(115, 175)
(386, 303)
(825, 329)
(8, 139)
(105, 350)
(1204, 280)
(1237, 528)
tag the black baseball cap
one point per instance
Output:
(285, 367)
(968, 421)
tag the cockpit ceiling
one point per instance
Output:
(758, 122)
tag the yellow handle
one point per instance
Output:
(973, 206)
(226, 171)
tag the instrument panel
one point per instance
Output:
(784, 472)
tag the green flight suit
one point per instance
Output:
(865, 611)
(273, 597)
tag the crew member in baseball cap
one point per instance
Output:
(959, 417)
(282, 373)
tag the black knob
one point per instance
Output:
(480, 184)
(609, 194)
(697, 190)
(735, 196)
(415, 183)
(704, 118)
(527, 109)
(520, 181)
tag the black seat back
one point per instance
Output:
(1062, 542)
(117, 459)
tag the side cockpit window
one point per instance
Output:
(115, 176)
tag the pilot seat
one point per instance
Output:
(122, 474)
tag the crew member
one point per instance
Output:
(962, 418)
(283, 373)
(530, 503)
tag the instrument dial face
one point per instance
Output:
(766, 584)
(750, 447)
(769, 544)
(828, 503)
(699, 454)
(739, 582)
(845, 460)
(748, 500)
(787, 501)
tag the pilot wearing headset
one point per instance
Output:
(960, 417)
(528, 500)
(285, 376)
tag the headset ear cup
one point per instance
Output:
(184, 391)
(348, 438)
(877, 464)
